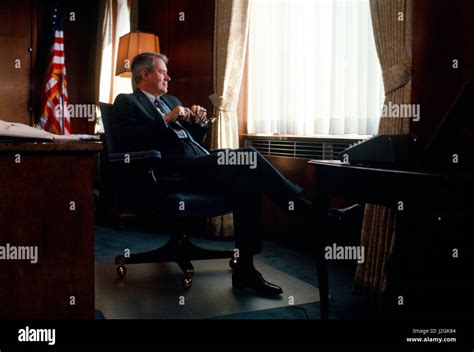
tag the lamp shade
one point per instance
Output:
(132, 44)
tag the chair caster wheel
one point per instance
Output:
(121, 271)
(233, 263)
(187, 282)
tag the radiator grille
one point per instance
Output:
(304, 148)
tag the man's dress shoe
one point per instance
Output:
(254, 280)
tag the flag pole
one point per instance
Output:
(60, 22)
(62, 101)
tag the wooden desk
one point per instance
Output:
(46, 200)
(431, 206)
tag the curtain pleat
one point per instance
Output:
(230, 38)
(393, 40)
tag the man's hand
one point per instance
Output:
(196, 114)
(178, 112)
(199, 114)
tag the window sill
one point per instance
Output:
(355, 137)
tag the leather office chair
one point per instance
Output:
(138, 188)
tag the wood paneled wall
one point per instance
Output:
(188, 43)
(15, 60)
(27, 23)
(185, 27)
(81, 45)
(443, 31)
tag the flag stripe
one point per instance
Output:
(55, 117)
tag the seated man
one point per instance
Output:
(150, 119)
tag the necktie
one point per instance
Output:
(162, 106)
(176, 125)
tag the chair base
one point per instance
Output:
(179, 250)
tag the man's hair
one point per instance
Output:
(145, 61)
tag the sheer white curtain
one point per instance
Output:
(313, 68)
(116, 24)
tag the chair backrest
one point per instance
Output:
(106, 112)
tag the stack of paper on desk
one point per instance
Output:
(19, 130)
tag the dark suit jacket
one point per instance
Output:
(136, 125)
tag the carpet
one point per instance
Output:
(154, 291)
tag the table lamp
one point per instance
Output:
(132, 44)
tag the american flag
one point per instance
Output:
(55, 117)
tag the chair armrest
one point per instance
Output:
(149, 161)
(127, 157)
(135, 169)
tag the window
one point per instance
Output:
(116, 24)
(313, 68)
